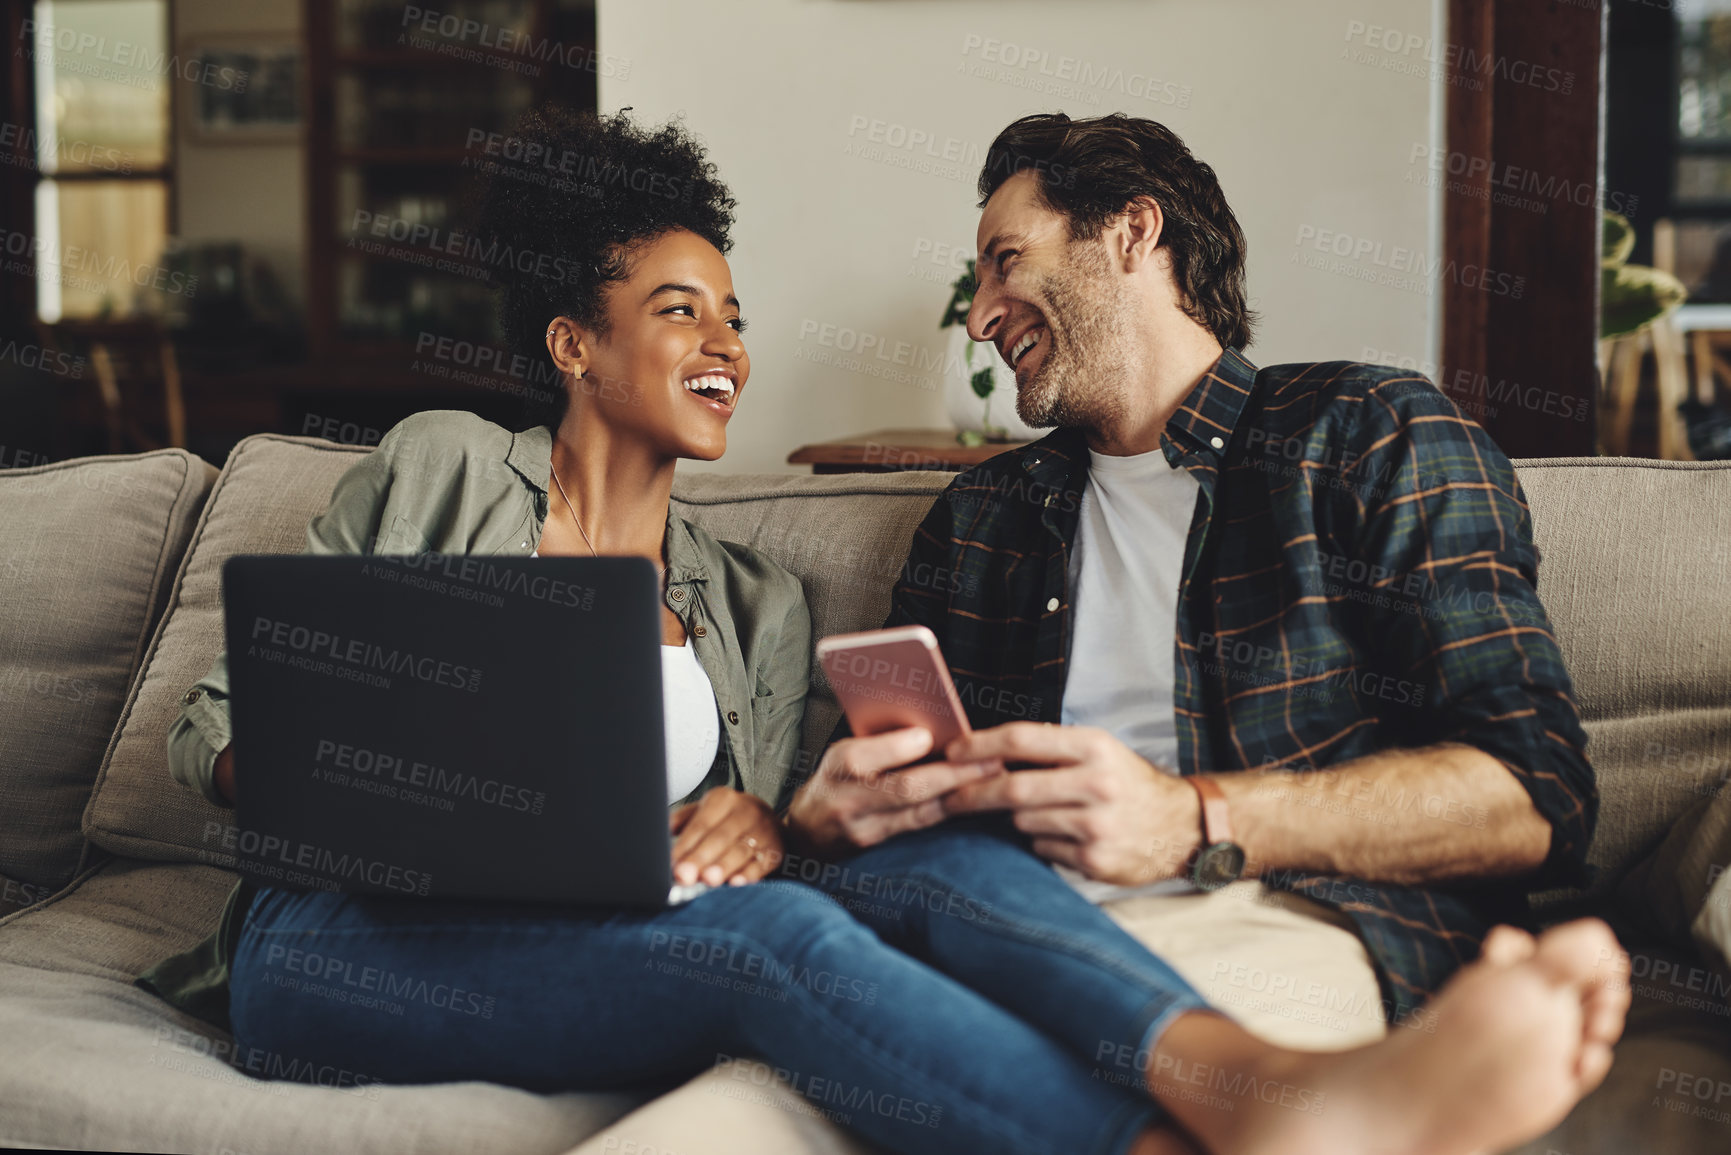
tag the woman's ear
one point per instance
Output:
(568, 345)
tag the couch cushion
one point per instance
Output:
(269, 489)
(88, 549)
(1683, 890)
(1669, 1087)
(92, 1062)
(15, 895)
(845, 537)
(738, 1107)
(1636, 577)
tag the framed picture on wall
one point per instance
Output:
(245, 88)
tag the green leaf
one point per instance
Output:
(961, 299)
(1631, 297)
(982, 382)
(972, 438)
(1618, 240)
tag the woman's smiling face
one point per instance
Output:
(672, 364)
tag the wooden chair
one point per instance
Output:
(1671, 339)
(130, 361)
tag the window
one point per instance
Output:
(103, 75)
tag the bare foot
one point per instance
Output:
(1508, 1047)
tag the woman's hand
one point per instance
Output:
(223, 774)
(867, 789)
(726, 837)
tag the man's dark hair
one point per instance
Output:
(571, 195)
(1090, 170)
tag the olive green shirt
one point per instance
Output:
(449, 482)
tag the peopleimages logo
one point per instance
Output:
(1502, 178)
(1068, 77)
(428, 244)
(329, 969)
(359, 652)
(62, 262)
(572, 170)
(1397, 266)
(394, 775)
(1278, 666)
(1457, 61)
(475, 571)
(26, 149)
(281, 858)
(505, 39)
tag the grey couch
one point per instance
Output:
(110, 611)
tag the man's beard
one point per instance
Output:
(1083, 379)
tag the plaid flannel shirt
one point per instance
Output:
(1359, 575)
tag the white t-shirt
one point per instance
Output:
(1125, 569)
(690, 718)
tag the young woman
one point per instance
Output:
(950, 992)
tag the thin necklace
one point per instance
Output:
(573, 510)
(660, 570)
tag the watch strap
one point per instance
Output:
(1216, 815)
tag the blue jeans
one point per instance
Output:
(948, 993)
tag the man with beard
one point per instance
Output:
(1261, 646)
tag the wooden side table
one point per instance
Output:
(891, 450)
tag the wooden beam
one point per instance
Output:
(1521, 236)
(18, 173)
(319, 23)
(1467, 205)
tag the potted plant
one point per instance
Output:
(979, 388)
(1631, 297)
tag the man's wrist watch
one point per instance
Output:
(1220, 860)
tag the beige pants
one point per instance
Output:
(1291, 971)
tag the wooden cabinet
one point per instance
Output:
(402, 98)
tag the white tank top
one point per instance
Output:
(690, 718)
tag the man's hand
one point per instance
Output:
(860, 796)
(1091, 802)
(727, 837)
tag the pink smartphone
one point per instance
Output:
(892, 679)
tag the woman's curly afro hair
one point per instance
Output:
(570, 195)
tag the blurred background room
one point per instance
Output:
(226, 217)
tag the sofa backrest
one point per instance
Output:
(845, 537)
(270, 487)
(1636, 574)
(88, 549)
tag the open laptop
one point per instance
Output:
(450, 726)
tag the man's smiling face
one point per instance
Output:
(1054, 309)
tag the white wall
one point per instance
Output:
(1310, 120)
(252, 193)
